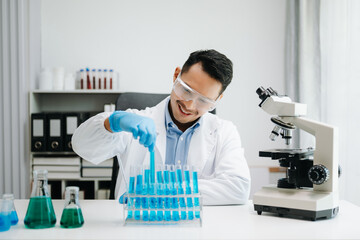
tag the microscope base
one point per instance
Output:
(296, 203)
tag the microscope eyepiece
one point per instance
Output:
(262, 92)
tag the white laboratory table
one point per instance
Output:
(104, 220)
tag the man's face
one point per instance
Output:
(187, 111)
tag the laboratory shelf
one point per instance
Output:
(78, 100)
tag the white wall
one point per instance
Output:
(145, 41)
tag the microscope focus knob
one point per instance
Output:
(318, 174)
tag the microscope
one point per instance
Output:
(310, 188)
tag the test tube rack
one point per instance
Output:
(165, 202)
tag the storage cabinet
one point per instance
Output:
(65, 167)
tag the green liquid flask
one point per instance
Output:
(71, 216)
(40, 212)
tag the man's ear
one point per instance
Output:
(176, 73)
(220, 97)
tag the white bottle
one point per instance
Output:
(58, 78)
(45, 79)
(69, 82)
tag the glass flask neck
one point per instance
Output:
(40, 185)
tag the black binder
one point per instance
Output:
(71, 122)
(38, 132)
(54, 130)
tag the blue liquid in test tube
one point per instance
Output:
(159, 192)
(130, 200)
(138, 190)
(181, 192)
(152, 203)
(196, 190)
(167, 201)
(173, 191)
(188, 192)
(145, 200)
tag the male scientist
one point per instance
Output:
(179, 129)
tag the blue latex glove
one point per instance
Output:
(139, 126)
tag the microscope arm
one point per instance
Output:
(326, 148)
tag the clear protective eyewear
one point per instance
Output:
(186, 93)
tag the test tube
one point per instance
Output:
(131, 191)
(173, 191)
(93, 73)
(88, 83)
(145, 199)
(196, 191)
(99, 75)
(82, 77)
(189, 202)
(138, 191)
(111, 78)
(167, 201)
(106, 76)
(181, 191)
(159, 192)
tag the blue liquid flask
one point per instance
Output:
(13, 215)
(5, 215)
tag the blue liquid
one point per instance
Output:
(145, 215)
(195, 182)
(147, 182)
(183, 215)
(167, 203)
(175, 215)
(179, 176)
(132, 185)
(14, 218)
(167, 216)
(191, 215)
(152, 167)
(137, 215)
(172, 183)
(160, 215)
(152, 216)
(196, 190)
(145, 205)
(137, 206)
(166, 183)
(187, 182)
(139, 183)
(174, 203)
(5, 222)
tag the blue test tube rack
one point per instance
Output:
(173, 199)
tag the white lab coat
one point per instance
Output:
(215, 150)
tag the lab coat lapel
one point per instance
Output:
(159, 118)
(202, 143)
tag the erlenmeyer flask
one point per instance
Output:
(5, 211)
(13, 215)
(72, 216)
(40, 212)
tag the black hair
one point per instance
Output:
(216, 64)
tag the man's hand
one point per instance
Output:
(139, 126)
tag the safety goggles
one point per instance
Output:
(186, 93)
